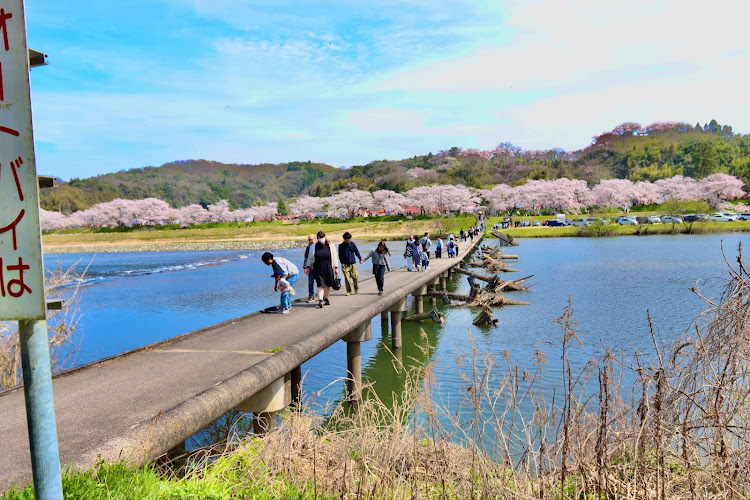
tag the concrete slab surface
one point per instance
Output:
(130, 399)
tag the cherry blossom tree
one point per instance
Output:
(500, 197)
(390, 201)
(617, 193)
(350, 202)
(220, 212)
(52, 220)
(307, 205)
(719, 187)
(152, 212)
(679, 188)
(191, 214)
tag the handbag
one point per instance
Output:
(336, 283)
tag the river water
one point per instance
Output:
(133, 299)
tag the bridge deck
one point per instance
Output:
(140, 404)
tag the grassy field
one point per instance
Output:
(617, 230)
(370, 228)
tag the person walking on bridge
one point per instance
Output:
(325, 264)
(380, 263)
(311, 240)
(282, 269)
(348, 256)
(416, 252)
(426, 244)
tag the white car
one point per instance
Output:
(581, 222)
(654, 219)
(627, 221)
(720, 217)
(744, 216)
(668, 219)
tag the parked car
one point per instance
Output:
(626, 221)
(598, 221)
(720, 217)
(643, 220)
(554, 223)
(654, 219)
(695, 217)
(743, 216)
(670, 219)
(731, 215)
(581, 222)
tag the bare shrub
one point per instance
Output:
(61, 325)
(674, 425)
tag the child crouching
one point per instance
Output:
(286, 296)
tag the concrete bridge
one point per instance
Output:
(140, 404)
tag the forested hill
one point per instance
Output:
(631, 151)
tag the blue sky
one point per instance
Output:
(139, 83)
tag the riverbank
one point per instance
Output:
(240, 236)
(618, 230)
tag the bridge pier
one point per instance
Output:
(362, 333)
(443, 281)
(430, 289)
(396, 310)
(418, 295)
(296, 381)
(265, 403)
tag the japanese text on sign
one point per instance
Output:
(21, 278)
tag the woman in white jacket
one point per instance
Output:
(324, 262)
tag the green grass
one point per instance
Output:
(389, 227)
(223, 479)
(617, 230)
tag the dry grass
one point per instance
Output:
(672, 426)
(60, 323)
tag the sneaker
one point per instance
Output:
(347, 294)
(279, 311)
(327, 302)
(285, 311)
(380, 292)
(310, 300)
(320, 304)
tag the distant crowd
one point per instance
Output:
(324, 262)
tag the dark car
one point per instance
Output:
(643, 220)
(554, 223)
(695, 217)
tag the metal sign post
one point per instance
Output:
(21, 269)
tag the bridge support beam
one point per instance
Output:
(265, 403)
(363, 333)
(396, 310)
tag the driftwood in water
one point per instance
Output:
(477, 276)
(475, 289)
(505, 239)
(485, 318)
(494, 283)
(492, 265)
(450, 295)
(498, 285)
(496, 252)
(434, 315)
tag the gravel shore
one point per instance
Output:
(175, 247)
